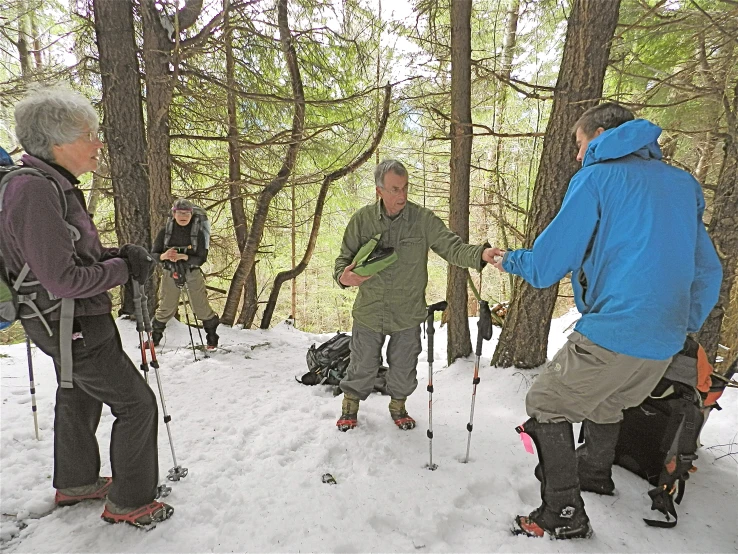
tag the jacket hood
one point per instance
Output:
(632, 137)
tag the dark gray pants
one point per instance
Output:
(366, 358)
(102, 374)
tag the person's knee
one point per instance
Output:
(142, 404)
(551, 404)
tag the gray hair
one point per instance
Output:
(52, 116)
(384, 167)
(608, 116)
(183, 204)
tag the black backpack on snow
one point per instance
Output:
(328, 363)
(658, 439)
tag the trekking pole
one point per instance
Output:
(194, 317)
(484, 332)
(187, 319)
(431, 330)
(177, 472)
(147, 325)
(33, 386)
(137, 295)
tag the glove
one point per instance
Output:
(179, 273)
(140, 263)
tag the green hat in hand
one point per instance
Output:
(372, 258)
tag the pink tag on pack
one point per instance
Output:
(527, 442)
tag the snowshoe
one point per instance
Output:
(142, 517)
(572, 524)
(399, 414)
(349, 412)
(346, 422)
(210, 325)
(75, 495)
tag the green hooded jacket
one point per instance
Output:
(394, 299)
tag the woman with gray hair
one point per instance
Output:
(182, 247)
(50, 244)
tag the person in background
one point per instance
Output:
(181, 246)
(391, 303)
(644, 274)
(56, 238)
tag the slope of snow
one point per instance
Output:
(256, 444)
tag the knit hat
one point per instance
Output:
(182, 204)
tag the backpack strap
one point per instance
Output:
(168, 232)
(677, 465)
(195, 230)
(66, 323)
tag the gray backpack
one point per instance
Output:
(23, 298)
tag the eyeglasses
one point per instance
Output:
(93, 136)
(182, 213)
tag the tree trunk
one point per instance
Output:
(459, 341)
(285, 276)
(156, 56)
(496, 154)
(524, 337)
(238, 212)
(724, 232)
(124, 123)
(723, 226)
(36, 41)
(248, 256)
(23, 38)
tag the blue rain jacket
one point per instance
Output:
(630, 231)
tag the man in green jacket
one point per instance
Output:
(392, 302)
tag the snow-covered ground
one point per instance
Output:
(257, 443)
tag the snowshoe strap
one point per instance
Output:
(662, 501)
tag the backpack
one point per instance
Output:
(328, 363)
(200, 222)
(20, 294)
(659, 439)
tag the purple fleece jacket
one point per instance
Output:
(32, 230)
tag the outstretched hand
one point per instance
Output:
(493, 256)
(350, 279)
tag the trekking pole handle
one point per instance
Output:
(437, 307)
(137, 306)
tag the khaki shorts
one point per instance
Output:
(586, 381)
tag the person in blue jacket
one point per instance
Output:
(644, 274)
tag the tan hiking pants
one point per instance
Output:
(586, 381)
(169, 296)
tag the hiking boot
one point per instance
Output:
(74, 495)
(569, 523)
(157, 332)
(349, 412)
(210, 325)
(399, 414)
(140, 517)
(596, 456)
(561, 513)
